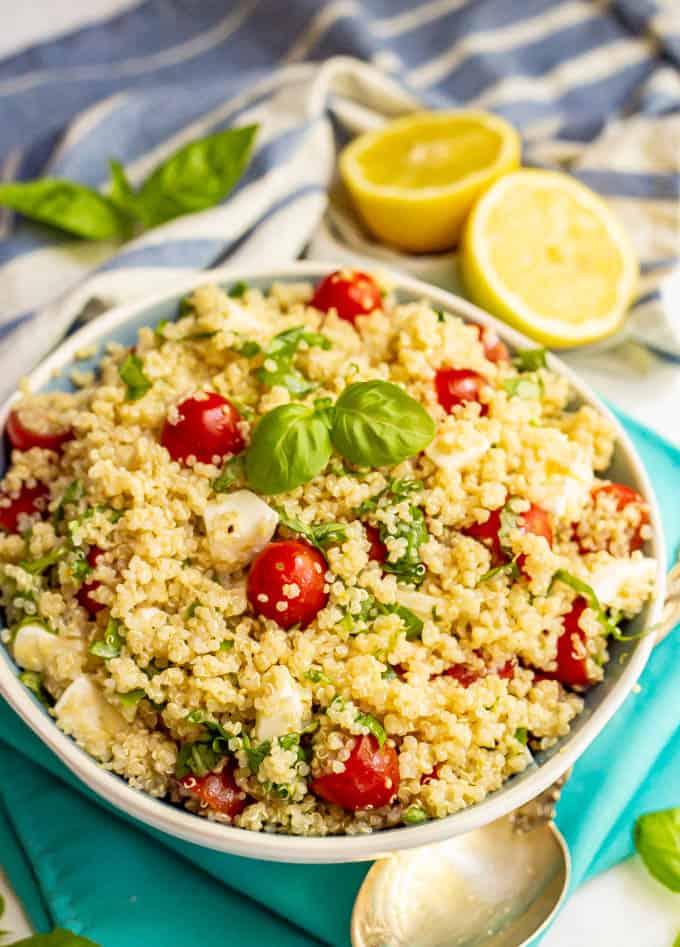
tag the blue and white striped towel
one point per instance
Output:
(594, 87)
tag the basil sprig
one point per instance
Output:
(378, 425)
(657, 839)
(198, 175)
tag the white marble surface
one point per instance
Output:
(623, 907)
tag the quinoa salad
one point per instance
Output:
(313, 560)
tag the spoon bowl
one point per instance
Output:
(497, 886)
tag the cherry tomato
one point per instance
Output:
(571, 663)
(292, 563)
(494, 350)
(29, 500)
(23, 437)
(535, 520)
(84, 593)
(456, 386)
(207, 426)
(218, 791)
(349, 292)
(464, 674)
(626, 496)
(370, 778)
(427, 778)
(378, 549)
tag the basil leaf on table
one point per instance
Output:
(197, 176)
(657, 839)
(69, 206)
(59, 937)
(290, 445)
(378, 425)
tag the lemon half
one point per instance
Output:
(545, 253)
(414, 180)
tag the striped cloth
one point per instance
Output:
(594, 86)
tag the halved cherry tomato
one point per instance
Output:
(207, 426)
(494, 350)
(22, 437)
(571, 660)
(28, 501)
(349, 292)
(535, 520)
(218, 791)
(456, 386)
(286, 583)
(84, 593)
(626, 496)
(370, 778)
(467, 675)
(378, 549)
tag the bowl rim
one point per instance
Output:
(337, 848)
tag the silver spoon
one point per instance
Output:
(498, 887)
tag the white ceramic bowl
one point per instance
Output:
(628, 659)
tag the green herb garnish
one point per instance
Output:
(132, 375)
(408, 567)
(588, 593)
(131, 698)
(657, 839)
(33, 681)
(414, 815)
(279, 353)
(509, 568)
(197, 758)
(72, 494)
(374, 726)
(109, 646)
(237, 290)
(522, 735)
(319, 535)
(524, 387)
(232, 471)
(38, 566)
(530, 360)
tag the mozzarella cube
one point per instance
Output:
(35, 648)
(83, 712)
(568, 487)
(613, 581)
(284, 706)
(238, 526)
(454, 450)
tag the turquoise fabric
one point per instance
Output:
(77, 864)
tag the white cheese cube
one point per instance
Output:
(568, 486)
(35, 648)
(284, 706)
(238, 526)
(83, 712)
(611, 581)
(454, 450)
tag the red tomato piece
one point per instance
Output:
(218, 791)
(370, 778)
(378, 550)
(456, 386)
(288, 562)
(22, 437)
(571, 660)
(488, 534)
(464, 674)
(84, 593)
(626, 496)
(494, 350)
(507, 670)
(207, 426)
(349, 292)
(27, 502)
(427, 778)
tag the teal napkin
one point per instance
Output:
(76, 864)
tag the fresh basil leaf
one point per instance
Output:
(109, 646)
(197, 176)
(289, 446)
(248, 349)
(255, 754)
(131, 373)
(374, 726)
(413, 626)
(378, 425)
(59, 937)
(413, 815)
(197, 758)
(409, 567)
(524, 387)
(131, 698)
(232, 471)
(33, 681)
(72, 494)
(42, 563)
(530, 360)
(237, 290)
(66, 205)
(320, 535)
(121, 192)
(657, 839)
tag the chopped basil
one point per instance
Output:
(277, 367)
(522, 735)
(109, 646)
(374, 726)
(524, 387)
(657, 839)
(530, 360)
(197, 758)
(507, 568)
(162, 323)
(33, 681)
(237, 290)
(131, 698)
(389, 674)
(248, 349)
(371, 608)
(226, 645)
(318, 677)
(413, 815)
(588, 593)
(396, 490)
(72, 494)
(80, 567)
(255, 754)
(408, 567)
(38, 566)
(232, 471)
(131, 373)
(320, 535)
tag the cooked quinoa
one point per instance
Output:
(450, 651)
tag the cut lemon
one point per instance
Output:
(544, 253)
(414, 180)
